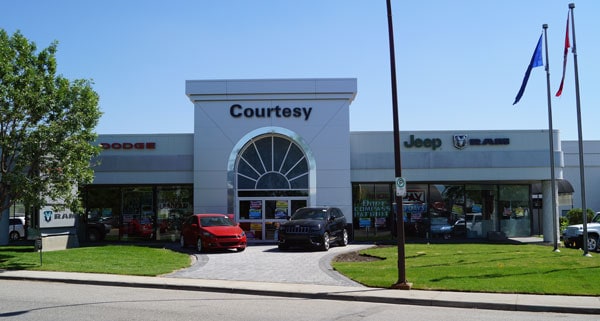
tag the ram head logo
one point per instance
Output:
(460, 141)
(47, 216)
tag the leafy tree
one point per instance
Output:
(46, 127)
(575, 216)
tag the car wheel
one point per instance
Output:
(325, 244)
(199, 245)
(592, 242)
(14, 236)
(182, 241)
(344, 240)
(240, 249)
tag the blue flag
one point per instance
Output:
(536, 61)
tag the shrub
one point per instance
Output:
(564, 222)
(574, 216)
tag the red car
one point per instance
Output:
(212, 231)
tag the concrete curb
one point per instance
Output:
(489, 301)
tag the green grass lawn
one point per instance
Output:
(110, 259)
(504, 268)
(452, 267)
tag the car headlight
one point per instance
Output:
(206, 234)
(315, 227)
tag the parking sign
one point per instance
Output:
(400, 186)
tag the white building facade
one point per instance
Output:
(263, 148)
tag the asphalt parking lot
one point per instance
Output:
(266, 263)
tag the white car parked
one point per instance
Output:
(16, 229)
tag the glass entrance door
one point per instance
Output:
(260, 217)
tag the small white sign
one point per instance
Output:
(400, 186)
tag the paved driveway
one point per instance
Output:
(266, 263)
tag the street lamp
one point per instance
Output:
(401, 283)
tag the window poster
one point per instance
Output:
(255, 210)
(281, 210)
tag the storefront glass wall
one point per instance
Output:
(480, 211)
(103, 206)
(372, 211)
(260, 218)
(444, 210)
(175, 203)
(415, 208)
(137, 218)
(272, 182)
(133, 213)
(515, 209)
(446, 207)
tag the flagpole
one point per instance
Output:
(581, 168)
(551, 142)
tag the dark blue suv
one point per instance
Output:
(316, 227)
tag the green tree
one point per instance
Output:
(46, 127)
(574, 216)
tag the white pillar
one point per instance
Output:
(547, 206)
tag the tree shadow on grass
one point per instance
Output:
(503, 275)
(6, 261)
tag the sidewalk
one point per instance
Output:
(511, 302)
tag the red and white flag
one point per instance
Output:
(567, 46)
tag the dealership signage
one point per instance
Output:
(128, 145)
(433, 143)
(51, 218)
(237, 111)
(459, 142)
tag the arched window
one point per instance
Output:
(272, 162)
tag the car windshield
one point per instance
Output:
(216, 221)
(309, 214)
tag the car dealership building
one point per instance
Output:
(263, 148)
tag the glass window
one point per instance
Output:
(372, 214)
(137, 214)
(441, 217)
(251, 210)
(414, 208)
(448, 203)
(480, 209)
(131, 213)
(272, 163)
(514, 206)
(296, 204)
(103, 205)
(174, 204)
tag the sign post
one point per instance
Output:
(402, 283)
(38, 247)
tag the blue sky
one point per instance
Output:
(459, 63)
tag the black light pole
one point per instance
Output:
(401, 283)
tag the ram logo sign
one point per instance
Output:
(460, 141)
(51, 218)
